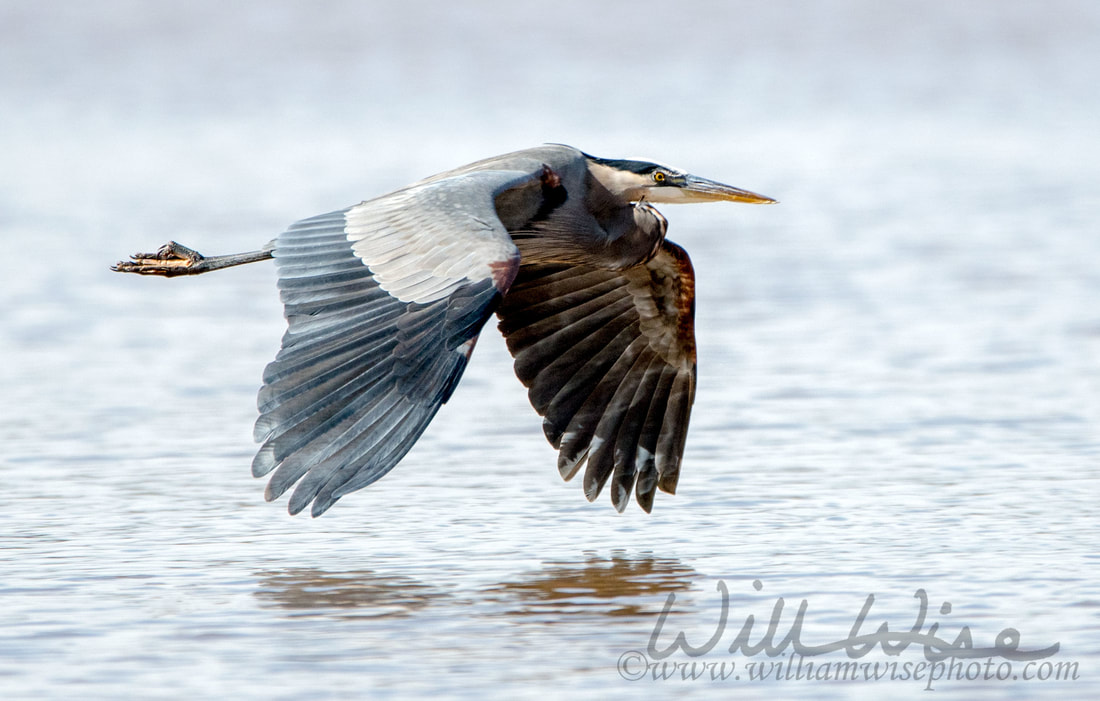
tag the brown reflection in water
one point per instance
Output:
(620, 585)
(310, 591)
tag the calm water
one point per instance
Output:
(899, 365)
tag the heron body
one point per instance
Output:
(385, 300)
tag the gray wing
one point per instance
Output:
(384, 302)
(609, 360)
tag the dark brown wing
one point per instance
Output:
(609, 359)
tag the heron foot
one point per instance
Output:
(170, 259)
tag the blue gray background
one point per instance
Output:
(899, 371)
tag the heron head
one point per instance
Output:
(641, 180)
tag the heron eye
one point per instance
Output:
(658, 176)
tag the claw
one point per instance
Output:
(170, 259)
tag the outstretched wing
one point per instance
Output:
(609, 360)
(384, 302)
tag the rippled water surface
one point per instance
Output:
(899, 374)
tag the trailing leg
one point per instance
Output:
(173, 259)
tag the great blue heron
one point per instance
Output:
(385, 300)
